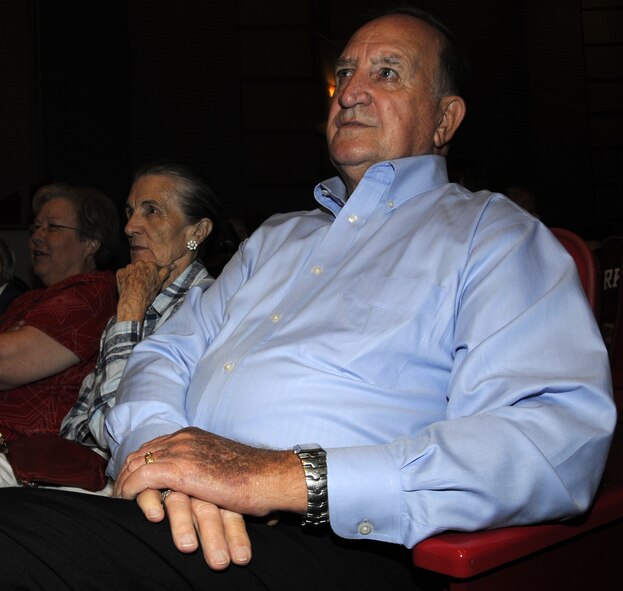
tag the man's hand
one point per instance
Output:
(138, 285)
(221, 533)
(231, 475)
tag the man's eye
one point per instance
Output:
(342, 75)
(387, 73)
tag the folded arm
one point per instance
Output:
(28, 354)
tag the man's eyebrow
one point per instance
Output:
(342, 62)
(391, 60)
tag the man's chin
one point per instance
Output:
(351, 152)
(352, 160)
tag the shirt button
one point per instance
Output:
(365, 528)
(390, 204)
(275, 317)
(352, 219)
(229, 366)
(316, 270)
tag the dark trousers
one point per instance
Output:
(60, 540)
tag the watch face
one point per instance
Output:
(306, 447)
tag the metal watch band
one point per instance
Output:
(314, 461)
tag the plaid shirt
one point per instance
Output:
(85, 421)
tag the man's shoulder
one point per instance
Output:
(312, 216)
(282, 225)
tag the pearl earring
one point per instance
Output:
(192, 245)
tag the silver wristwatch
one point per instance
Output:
(314, 461)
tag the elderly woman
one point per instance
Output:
(49, 336)
(171, 212)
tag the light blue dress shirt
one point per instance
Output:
(436, 342)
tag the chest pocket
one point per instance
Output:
(383, 322)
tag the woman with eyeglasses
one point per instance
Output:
(49, 337)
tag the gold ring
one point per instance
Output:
(149, 458)
(164, 494)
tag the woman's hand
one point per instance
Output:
(138, 285)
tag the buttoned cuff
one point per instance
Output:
(364, 493)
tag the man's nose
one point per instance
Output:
(354, 90)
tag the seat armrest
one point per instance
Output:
(462, 555)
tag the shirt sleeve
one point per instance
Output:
(146, 409)
(97, 393)
(529, 416)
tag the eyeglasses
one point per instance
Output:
(49, 228)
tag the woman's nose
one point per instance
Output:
(133, 225)
(36, 233)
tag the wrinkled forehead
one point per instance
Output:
(404, 37)
(155, 188)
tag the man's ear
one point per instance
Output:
(452, 109)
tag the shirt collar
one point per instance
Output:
(182, 283)
(405, 178)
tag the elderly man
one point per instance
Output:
(435, 345)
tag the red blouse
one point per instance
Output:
(73, 312)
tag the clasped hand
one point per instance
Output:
(214, 482)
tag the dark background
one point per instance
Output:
(240, 89)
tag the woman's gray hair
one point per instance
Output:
(196, 198)
(96, 214)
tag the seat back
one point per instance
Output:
(609, 256)
(616, 343)
(585, 261)
(614, 467)
(588, 268)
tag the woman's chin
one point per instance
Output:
(142, 256)
(45, 278)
